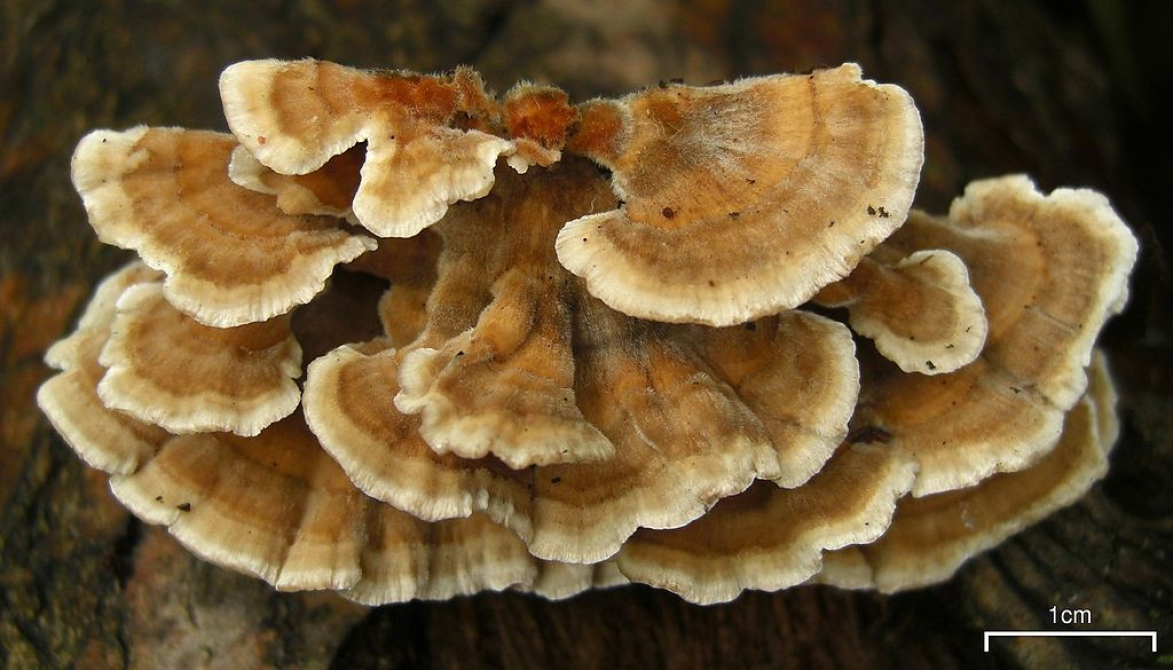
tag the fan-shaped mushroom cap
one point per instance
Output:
(295, 116)
(328, 191)
(167, 369)
(1050, 270)
(931, 537)
(108, 440)
(771, 538)
(919, 309)
(231, 257)
(742, 200)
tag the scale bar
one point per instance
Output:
(1152, 634)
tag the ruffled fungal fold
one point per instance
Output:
(577, 355)
(167, 369)
(496, 375)
(932, 536)
(770, 538)
(231, 257)
(691, 416)
(1049, 270)
(764, 190)
(326, 192)
(920, 310)
(273, 505)
(295, 116)
(108, 440)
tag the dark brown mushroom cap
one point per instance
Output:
(932, 536)
(295, 116)
(230, 256)
(742, 200)
(1050, 270)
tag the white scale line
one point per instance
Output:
(1068, 633)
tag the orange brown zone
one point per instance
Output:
(510, 230)
(906, 304)
(312, 91)
(542, 114)
(934, 416)
(262, 482)
(364, 392)
(185, 203)
(600, 132)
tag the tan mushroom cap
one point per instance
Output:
(1050, 270)
(295, 116)
(167, 369)
(107, 440)
(327, 191)
(231, 257)
(931, 537)
(919, 310)
(770, 538)
(742, 200)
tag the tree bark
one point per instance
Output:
(1002, 87)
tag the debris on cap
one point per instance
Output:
(579, 353)
(753, 195)
(919, 310)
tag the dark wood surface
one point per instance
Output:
(1064, 91)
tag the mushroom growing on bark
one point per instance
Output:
(543, 375)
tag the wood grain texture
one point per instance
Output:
(1062, 91)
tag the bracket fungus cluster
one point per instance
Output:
(400, 338)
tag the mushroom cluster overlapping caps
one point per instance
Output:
(400, 338)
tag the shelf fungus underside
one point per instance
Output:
(397, 337)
